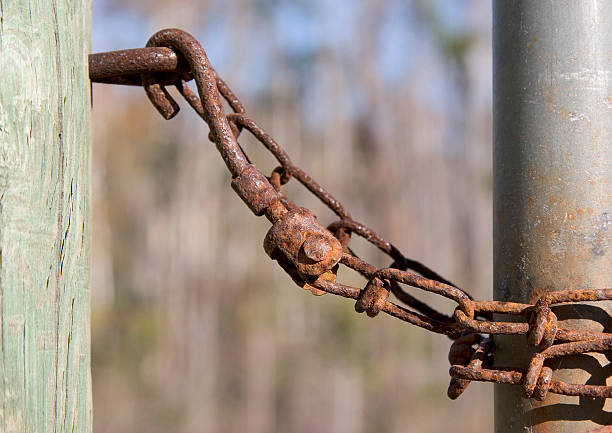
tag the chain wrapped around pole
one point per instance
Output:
(311, 253)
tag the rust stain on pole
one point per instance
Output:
(553, 190)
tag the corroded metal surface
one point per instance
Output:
(311, 254)
(553, 201)
(125, 66)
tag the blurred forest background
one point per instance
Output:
(195, 329)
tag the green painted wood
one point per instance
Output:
(45, 378)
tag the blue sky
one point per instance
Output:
(294, 32)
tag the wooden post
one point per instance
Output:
(45, 378)
(552, 206)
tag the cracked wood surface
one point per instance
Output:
(45, 375)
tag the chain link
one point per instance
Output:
(311, 254)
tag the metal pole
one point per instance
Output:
(552, 86)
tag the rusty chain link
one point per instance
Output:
(311, 253)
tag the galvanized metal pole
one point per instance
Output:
(552, 84)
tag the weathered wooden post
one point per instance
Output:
(45, 379)
(553, 188)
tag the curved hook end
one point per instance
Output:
(160, 98)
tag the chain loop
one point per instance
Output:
(311, 253)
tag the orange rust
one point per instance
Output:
(311, 254)
(531, 44)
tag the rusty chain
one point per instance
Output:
(311, 253)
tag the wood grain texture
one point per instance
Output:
(45, 377)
